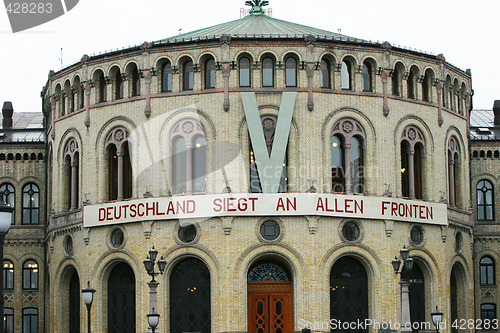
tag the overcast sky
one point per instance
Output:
(466, 32)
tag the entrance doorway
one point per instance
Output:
(270, 299)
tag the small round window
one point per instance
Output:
(417, 235)
(68, 245)
(458, 242)
(270, 230)
(117, 238)
(350, 231)
(187, 234)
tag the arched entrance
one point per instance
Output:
(121, 299)
(270, 298)
(417, 294)
(190, 297)
(74, 303)
(457, 288)
(348, 293)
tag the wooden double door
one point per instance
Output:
(270, 307)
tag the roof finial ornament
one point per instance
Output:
(257, 6)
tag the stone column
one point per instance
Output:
(153, 300)
(120, 175)
(74, 187)
(310, 75)
(439, 91)
(411, 172)
(385, 78)
(226, 71)
(451, 176)
(147, 78)
(347, 163)
(405, 306)
(86, 87)
(53, 107)
(189, 169)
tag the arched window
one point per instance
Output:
(121, 299)
(30, 320)
(488, 311)
(188, 75)
(9, 197)
(117, 83)
(78, 88)
(9, 320)
(448, 93)
(325, 73)
(30, 275)
(8, 275)
(487, 271)
(453, 171)
(291, 72)
(267, 72)
(72, 173)
(367, 76)
(412, 152)
(411, 83)
(244, 72)
(166, 77)
(347, 142)
(346, 75)
(101, 86)
(188, 145)
(120, 177)
(210, 74)
(31, 204)
(427, 85)
(485, 200)
(134, 85)
(69, 95)
(190, 301)
(269, 126)
(397, 76)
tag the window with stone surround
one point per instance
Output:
(454, 172)
(8, 192)
(31, 204)
(412, 154)
(30, 275)
(268, 71)
(71, 174)
(120, 178)
(487, 271)
(291, 72)
(485, 200)
(245, 72)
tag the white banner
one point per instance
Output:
(200, 207)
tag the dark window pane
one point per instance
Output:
(325, 74)
(267, 72)
(291, 72)
(167, 77)
(210, 74)
(188, 75)
(244, 72)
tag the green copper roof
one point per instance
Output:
(258, 25)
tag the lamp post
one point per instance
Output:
(405, 285)
(88, 298)
(153, 319)
(6, 212)
(149, 265)
(437, 318)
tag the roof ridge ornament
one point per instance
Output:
(257, 6)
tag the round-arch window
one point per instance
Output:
(270, 230)
(117, 238)
(417, 235)
(68, 245)
(350, 231)
(458, 242)
(187, 234)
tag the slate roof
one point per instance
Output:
(482, 125)
(26, 127)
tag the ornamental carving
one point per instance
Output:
(118, 136)
(348, 128)
(189, 129)
(413, 135)
(71, 149)
(268, 272)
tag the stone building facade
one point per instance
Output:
(278, 169)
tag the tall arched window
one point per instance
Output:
(69, 93)
(30, 320)
(485, 200)
(30, 275)
(190, 297)
(427, 85)
(210, 73)
(72, 173)
(411, 82)
(188, 75)
(120, 177)
(134, 79)
(117, 83)
(166, 77)
(267, 72)
(412, 152)
(397, 76)
(9, 197)
(244, 72)
(100, 83)
(346, 75)
(453, 171)
(348, 137)
(269, 126)
(78, 88)
(188, 145)
(367, 76)
(31, 204)
(325, 73)
(487, 271)
(8, 275)
(291, 72)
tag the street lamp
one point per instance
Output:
(149, 265)
(405, 285)
(6, 212)
(88, 298)
(153, 319)
(437, 318)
